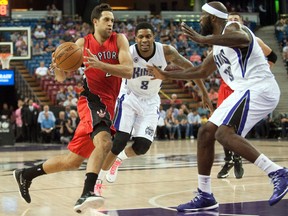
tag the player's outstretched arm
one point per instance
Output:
(233, 36)
(125, 67)
(173, 56)
(199, 72)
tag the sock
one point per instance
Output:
(204, 183)
(33, 172)
(89, 183)
(102, 174)
(122, 155)
(265, 164)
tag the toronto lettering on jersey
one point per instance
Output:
(106, 55)
(139, 71)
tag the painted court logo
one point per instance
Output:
(101, 113)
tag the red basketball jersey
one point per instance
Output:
(100, 82)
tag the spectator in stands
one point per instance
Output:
(50, 47)
(19, 122)
(174, 100)
(170, 123)
(181, 125)
(67, 37)
(70, 91)
(204, 119)
(42, 70)
(78, 88)
(161, 128)
(194, 123)
(66, 131)
(74, 119)
(58, 123)
(61, 96)
(195, 58)
(39, 33)
(47, 127)
(37, 50)
(262, 128)
(70, 101)
(285, 55)
(30, 117)
(213, 96)
(67, 111)
(284, 124)
(41, 116)
(5, 112)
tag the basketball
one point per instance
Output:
(68, 56)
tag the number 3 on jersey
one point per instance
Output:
(144, 85)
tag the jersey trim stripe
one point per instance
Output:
(237, 116)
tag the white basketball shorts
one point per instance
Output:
(244, 109)
(139, 114)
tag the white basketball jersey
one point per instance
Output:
(141, 84)
(242, 68)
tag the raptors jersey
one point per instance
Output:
(242, 68)
(100, 82)
(141, 84)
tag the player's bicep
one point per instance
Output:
(124, 55)
(173, 56)
(266, 49)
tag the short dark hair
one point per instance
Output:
(97, 11)
(144, 25)
(235, 14)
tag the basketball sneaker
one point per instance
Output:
(88, 200)
(238, 169)
(112, 174)
(280, 181)
(224, 172)
(23, 184)
(203, 201)
(98, 187)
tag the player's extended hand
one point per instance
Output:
(54, 70)
(207, 103)
(156, 72)
(191, 33)
(91, 61)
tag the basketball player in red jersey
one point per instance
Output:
(107, 60)
(224, 91)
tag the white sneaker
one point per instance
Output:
(98, 187)
(112, 174)
(87, 201)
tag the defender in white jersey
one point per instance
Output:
(242, 65)
(138, 106)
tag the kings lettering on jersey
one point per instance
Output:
(221, 59)
(139, 71)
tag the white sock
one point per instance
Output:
(265, 164)
(102, 174)
(122, 155)
(204, 183)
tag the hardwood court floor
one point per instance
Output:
(152, 184)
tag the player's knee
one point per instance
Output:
(141, 145)
(207, 131)
(222, 134)
(120, 142)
